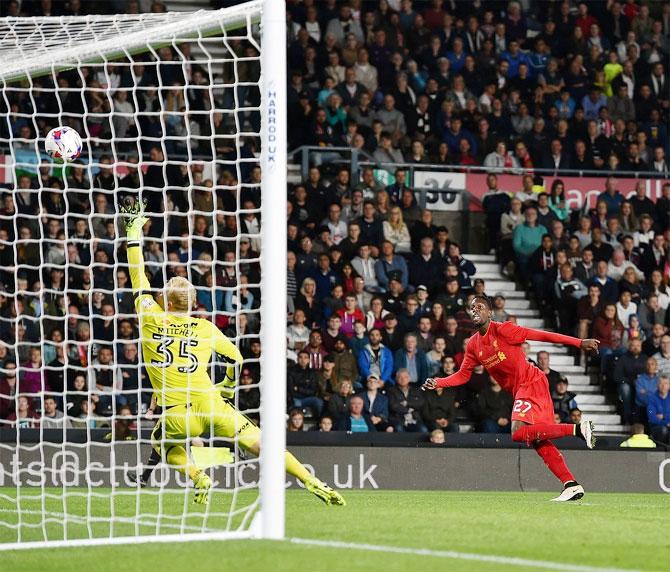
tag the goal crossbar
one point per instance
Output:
(34, 46)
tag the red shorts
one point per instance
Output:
(533, 404)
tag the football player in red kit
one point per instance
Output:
(497, 346)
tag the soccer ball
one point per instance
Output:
(63, 143)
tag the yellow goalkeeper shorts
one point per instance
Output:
(208, 414)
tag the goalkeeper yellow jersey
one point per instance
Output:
(176, 348)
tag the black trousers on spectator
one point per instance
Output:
(382, 426)
(566, 308)
(542, 286)
(505, 251)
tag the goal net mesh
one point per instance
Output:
(168, 108)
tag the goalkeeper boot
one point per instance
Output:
(136, 478)
(202, 485)
(324, 492)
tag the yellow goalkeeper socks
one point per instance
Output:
(178, 457)
(296, 468)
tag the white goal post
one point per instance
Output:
(274, 169)
(196, 101)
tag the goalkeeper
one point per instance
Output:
(177, 349)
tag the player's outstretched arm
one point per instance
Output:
(461, 377)
(224, 347)
(429, 384)
(588, 345)
(227, 385)
(134, 220)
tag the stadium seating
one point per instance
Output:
(590, 399)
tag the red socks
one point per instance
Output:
(538, 436)
(554, 460)
(542, 432)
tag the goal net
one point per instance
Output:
(180, 110)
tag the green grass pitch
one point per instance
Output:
(622, 531)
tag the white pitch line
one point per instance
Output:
(235, 535)
(123, 540)
(513, 561)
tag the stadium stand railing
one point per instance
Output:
(360, 159)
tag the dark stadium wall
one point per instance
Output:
(358, 468)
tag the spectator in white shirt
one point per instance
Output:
(334, 222)
(618, 265)
(123, 114)
(386, 152)
(501, 158)
(343, 25)
(625, 308)
(396, 231)
(251, 225)
(659, 165)
(364, 266)
(527, 195)
(297, 334)
(109, 77)
(393, 121)
(366, 73)
(52, 417)
(663, 356)
(354, 209)
(646, 233)
(583, 233)
(658, 288)
(334, 69)
(312, 24)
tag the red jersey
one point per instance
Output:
(499, 351)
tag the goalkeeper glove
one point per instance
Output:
(134, 219)
(227, 386)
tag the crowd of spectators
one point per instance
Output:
(532, 86)
(544, 85)
(550, 86)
